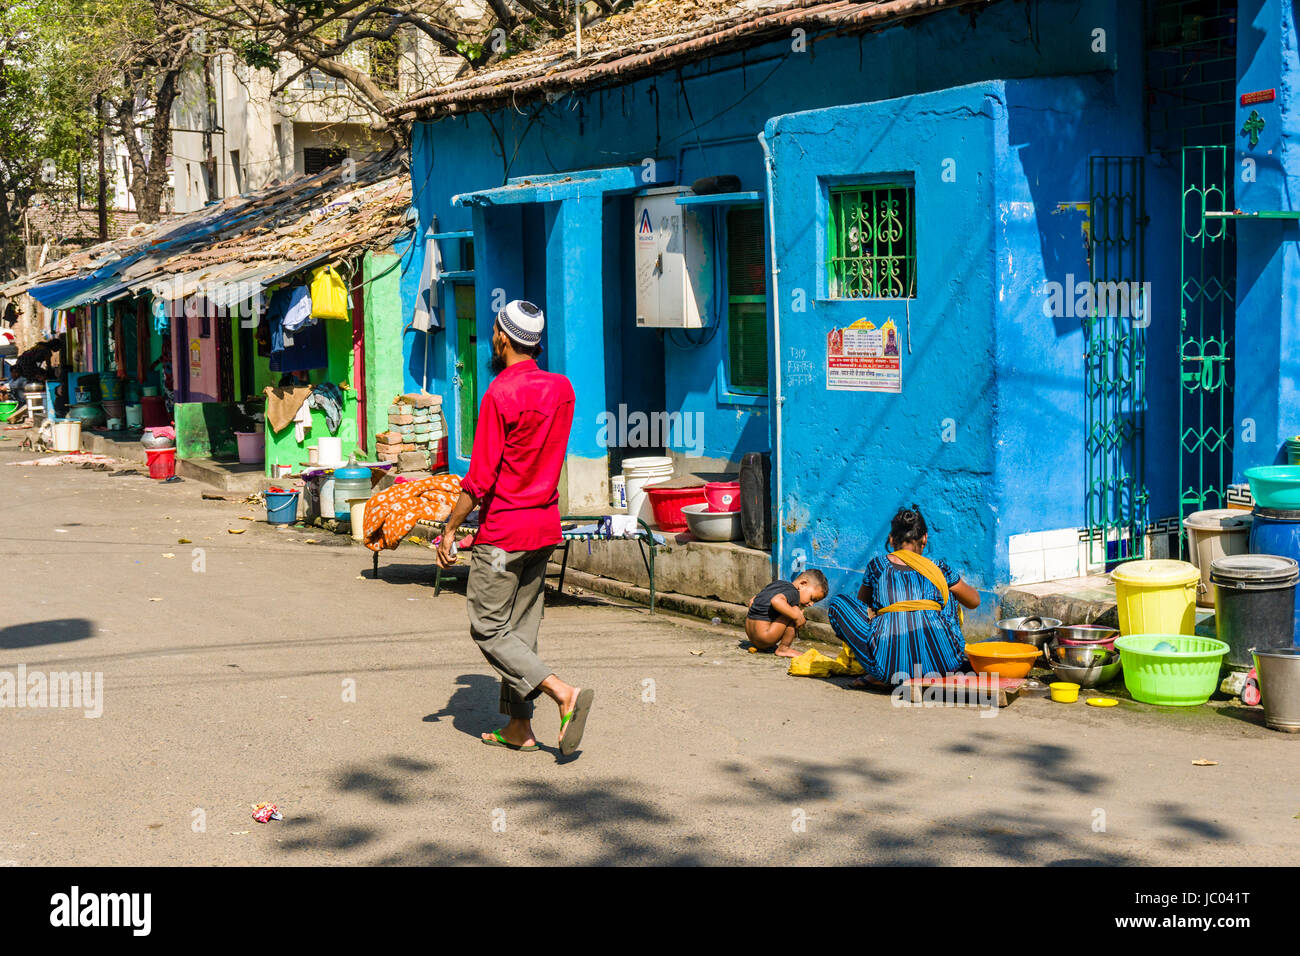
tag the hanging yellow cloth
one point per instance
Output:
(930, 571)
(814, 663)
(329, 294)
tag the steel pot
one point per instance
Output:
(1278, 671)
(1029, 630)
(152, 442)
(1093, 675)
(1079, 655)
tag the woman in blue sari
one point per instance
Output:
(904, 620)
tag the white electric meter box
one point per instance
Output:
(673, 269)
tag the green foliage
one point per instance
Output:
(46, 128)
(257, 54)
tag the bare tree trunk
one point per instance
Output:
(149, 174)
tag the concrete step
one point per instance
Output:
(123, 445)
(226, 477)
(1086, 600)
(720, 571)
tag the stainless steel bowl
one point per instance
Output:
(1079, 655)
(1088, 633)
(1092, 676)
(1029, 630)
(151, 441)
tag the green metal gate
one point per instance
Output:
(1114, 338)
(1208, 269)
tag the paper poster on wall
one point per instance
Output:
(196, 357)
(864, 358)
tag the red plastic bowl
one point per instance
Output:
(722, 496)
(667, 504)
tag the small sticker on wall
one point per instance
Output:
(864, 358)
(196, 357)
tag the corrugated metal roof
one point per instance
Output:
(335, 212)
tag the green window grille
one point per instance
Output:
(746, 300)
(872, 242)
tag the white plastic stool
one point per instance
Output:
(35, 405)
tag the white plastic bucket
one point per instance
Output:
(134, 415)
(357, 511)
(639, 472)
(67, 436)
(330, 451)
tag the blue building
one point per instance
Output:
(1030, 264)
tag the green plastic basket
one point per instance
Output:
(1183, 677)
(7, 409)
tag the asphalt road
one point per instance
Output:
(227, 673)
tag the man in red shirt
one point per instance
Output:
(513, 480)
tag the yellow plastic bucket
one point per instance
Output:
(1156, 597)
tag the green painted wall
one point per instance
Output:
(282, 448)
(205, 430)
(384, 322)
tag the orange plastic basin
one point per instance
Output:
(1010, 659)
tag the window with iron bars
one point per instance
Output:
(871, 240)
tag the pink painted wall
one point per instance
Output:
(204, 383)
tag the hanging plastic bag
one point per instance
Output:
(329, 294)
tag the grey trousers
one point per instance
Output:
(505, 613)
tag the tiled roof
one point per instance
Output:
(654, 36)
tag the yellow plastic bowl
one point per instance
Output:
(1064, 692)
(1009, 659)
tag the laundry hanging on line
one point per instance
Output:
(328, 397)
(426, 296)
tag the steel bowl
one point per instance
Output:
(1029, 630)
(151, 441)
(1094, 635)
(1091, 676)
(1079, 655)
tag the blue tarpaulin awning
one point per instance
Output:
(70, 293)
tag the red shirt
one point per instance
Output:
(519, 448)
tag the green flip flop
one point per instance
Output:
(496, 740)
(574, 722)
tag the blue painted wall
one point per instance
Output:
(982, 352)
(1267, 394)
(706, 119)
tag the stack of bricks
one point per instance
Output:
(416, 428)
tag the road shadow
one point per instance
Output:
(394, 572)
(389, 781)
(473, 705)
(39, 633)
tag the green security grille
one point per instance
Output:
(1208, 269)
(872, 242)
(1114, 338)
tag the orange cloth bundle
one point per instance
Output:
(393, 512)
